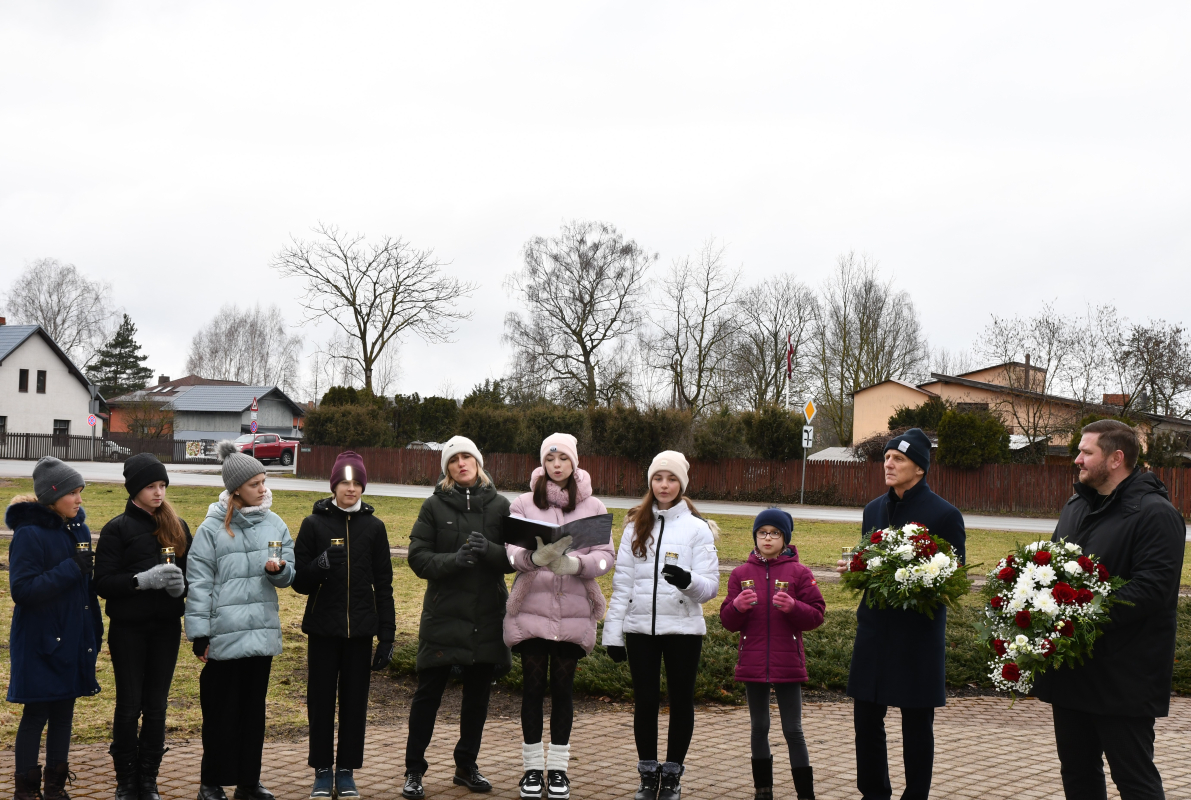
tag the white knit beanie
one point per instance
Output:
(670, 461)
(460, 444)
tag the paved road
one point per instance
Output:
(207, 475)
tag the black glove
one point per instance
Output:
(200, 646)
(617, 653)
(85, 559)
(676, 576)
(479, 545)
(464, 557)
(383, 655)
(334, 556)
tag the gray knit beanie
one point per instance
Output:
(53, 479)
(238, 468)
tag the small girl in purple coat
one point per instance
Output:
(772, 599)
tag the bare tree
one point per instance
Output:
(948, 362)
(376, 293)
(1151, 365)
(251, 345)
(75, 311)
(865, 333)
(693, 330)
(777, 315)
(580, 293)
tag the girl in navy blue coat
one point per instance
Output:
(56, 624)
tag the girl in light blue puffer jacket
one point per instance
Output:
(233, 619)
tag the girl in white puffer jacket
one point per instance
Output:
(666, 568)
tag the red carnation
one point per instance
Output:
(1085, 562)
(1066, 628)
(1048, 647)
(1008, 574)
(997, 602)
(1084, 596)
(1102, 572)
(876, 537)
(1042, 558)
(999, 646)
(1022, 618)
(857, 564)
(1063, 593)
(1011, 672)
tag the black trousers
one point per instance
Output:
(681, 655)
(423, 710)
(143, 659)
(59, 715)
(343, 667)
(872, 757)
(232, 694)
(1128, 743)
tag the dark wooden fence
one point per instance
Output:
(114, 447)
(1006, 488)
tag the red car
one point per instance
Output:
(265, 447)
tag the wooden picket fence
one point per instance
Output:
(1002, 488)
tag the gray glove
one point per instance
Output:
(548, 553)
(565, 565)
(156, 577)
(175, 582)
(477, 542)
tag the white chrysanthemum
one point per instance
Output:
(875, 562)
(1017, 604)
(902, 575)
(1023, 592)
(1044, 601)
(1045, 575)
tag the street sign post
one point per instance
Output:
(808, 441)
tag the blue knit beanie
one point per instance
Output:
(778, 519)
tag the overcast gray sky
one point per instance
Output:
(989, 156)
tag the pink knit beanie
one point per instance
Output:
(561, 443)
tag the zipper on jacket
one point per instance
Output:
(657, 551)
(768, 621)
(468, 490)
(347, 544)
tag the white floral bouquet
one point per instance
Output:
(907, 568)
(1047, 602)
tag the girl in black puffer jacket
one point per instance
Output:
(145, 603)
(343, 564)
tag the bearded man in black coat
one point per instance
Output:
(1107, 705)
(898, 657)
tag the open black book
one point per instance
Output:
(585, 532)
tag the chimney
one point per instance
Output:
(3, 320)
(163, 379)
(1027, 372)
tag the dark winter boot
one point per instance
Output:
(28, 786)
(671, 787)
(126, 783)
(55, 782)
(763, 778)
(147, 768)
(804, 782)
(651, 773)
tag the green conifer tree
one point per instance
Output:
(119, 365)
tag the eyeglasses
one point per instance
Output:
(770, 535)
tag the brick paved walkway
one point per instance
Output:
(974, 737)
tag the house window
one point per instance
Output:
(3, 428)
(23, 381)
(41, 381)
(61, 427)
(968, 408)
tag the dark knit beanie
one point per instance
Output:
(914, 444)
(349, 466)
(53, 479)
(778, 519)
(141, 470)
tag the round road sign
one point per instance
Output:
(252, 426)
(91, 420)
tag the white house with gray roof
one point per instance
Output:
(225, 412)
(41, 390)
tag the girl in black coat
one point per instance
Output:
(144, 587)
(343, 564)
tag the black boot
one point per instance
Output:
(28, 785)
(804, 782)
(55, 782)
(211, 792)
(650, 772)
(148, 766)
(763, 778)
(671, 786)
(126, 785)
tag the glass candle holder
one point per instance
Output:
(167, 556)
(748, 584)
(275, 554)
(780, 586)
(671, 559)
(847, 554)
(337, 542)
(82, 546)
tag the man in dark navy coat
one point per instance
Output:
(898, 658)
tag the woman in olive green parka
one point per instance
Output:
(456, 547)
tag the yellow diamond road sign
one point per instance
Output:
(808, 411)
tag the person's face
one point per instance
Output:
(151, 497)
(558, 467)
(1095, 466)
(462, 469)
(769, 541)
(253, 491)
(68, 505)
(666, 488)
(347, 493)
(900, 471)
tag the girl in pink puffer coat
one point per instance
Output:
(553, 608)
